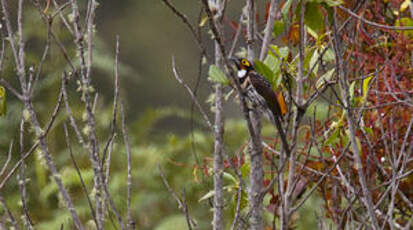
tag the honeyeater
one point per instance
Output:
(259, 92)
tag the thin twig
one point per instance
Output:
(17, 165)
(181, 204)
(268, 29)
(381, 26)
(185, 20)
(3, 169)
(130, 222)
(69, 145)
(194, 99)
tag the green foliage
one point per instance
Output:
(278, 28)
(313, 17)
(264, 70)
(177, 221)
(3, 104)
(217, 76)
(405, 21)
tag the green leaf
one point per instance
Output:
(230, 177)
(368, 130)
(3, 104)
(245, 170)
(351, 89)
(177, 221)
(278, 28)
(264, 70)
(333, 138)
(366, 82)
(243, 201)
(313, 16)
(312, 32)
(405, 22)
(207, 196)
(217, 76)
(274, 64)
(325, 77)
(332, 3)
(329, 56)
(314, 60)
(282, 52)
(286, 7)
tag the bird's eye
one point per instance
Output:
(245, 62)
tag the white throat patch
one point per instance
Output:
(241, 73)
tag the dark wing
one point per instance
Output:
(264, 88)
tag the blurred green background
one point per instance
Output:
(158, 114)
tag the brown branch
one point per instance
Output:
(181, 204)
(219, 145)
(3, 169)
(191, 93)
(17, 165)
(268, 29)
(343, 83)
(185, 20)
(381, 26)
(69, 145)
(130, 222)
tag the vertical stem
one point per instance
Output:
(297, 115)
(218, 221)
(268, 29)
(344, 88)
(256, 173)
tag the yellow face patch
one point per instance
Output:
(245, 63)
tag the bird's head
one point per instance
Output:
(243, 66)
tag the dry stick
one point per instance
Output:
(13, 43)
(194, 99)
(115, 101)
(352, 129)
(51, 165)
(21, 67)
(69, 145)
(49, 20)
(268, 29)
(185, 207)
(17, 165)
(11, 89)
(75, 127)
(218, 214)
(85, 69)
(22, 182)
(33, 82)
(348, 11)
(175, 196)
(236, 37)
(8, 212)
(239, 194)
(286, 204)
(3, 169)
(130, 222)
(62, 17)
(256, 173)
(184, 19)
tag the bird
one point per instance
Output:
(259, 92)
(260, 95)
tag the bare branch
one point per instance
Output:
(194, 99)
(381, 26)
(269, 28)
